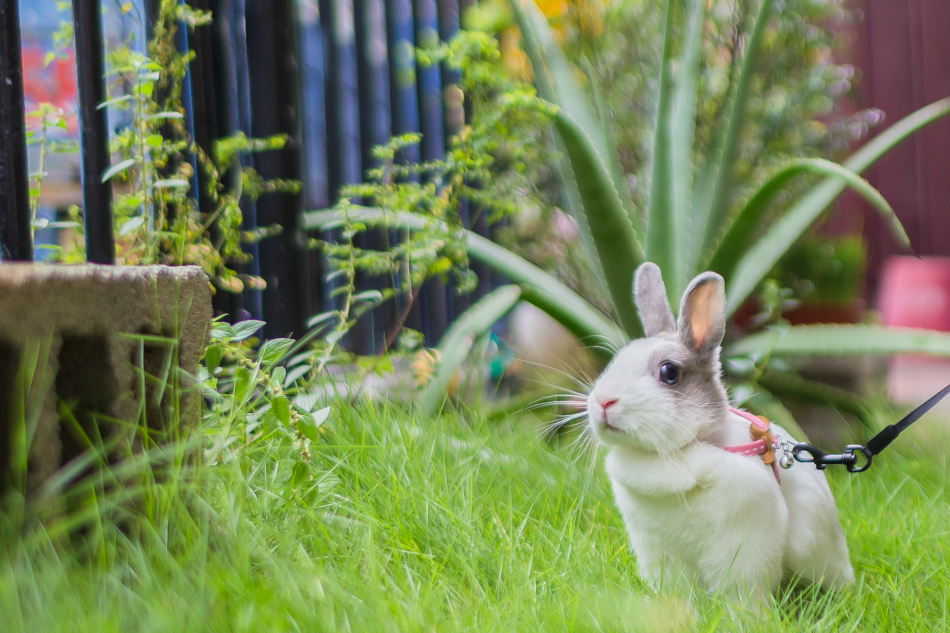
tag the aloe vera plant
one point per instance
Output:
(693, 220)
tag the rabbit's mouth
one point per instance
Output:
(606, 426)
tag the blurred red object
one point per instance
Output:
(53, 83)
(916, 293)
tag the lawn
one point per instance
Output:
(454, 523)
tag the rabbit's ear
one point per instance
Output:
(702, 321)
(649, 294)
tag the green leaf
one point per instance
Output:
(841, 340)
(164, 115)
(112, 102)
(221, 330)
(743, 229)
(539, 287)
(308, 424)
(610, 228)
(306, 401)
(768, 250)
(372, 297)
(299, 474)
(118, 168)
(682, 138)
(608, 211)
(296, 374)
(281, 408)
(131, 225)
(154, 140)
(274, 350)
(661, 240)
(170, 183)
(320, 416)
(213, 356)
(245, 379)
(245, 329)
(455, 346)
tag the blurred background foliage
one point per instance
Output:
(800, 104)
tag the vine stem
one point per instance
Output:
(343, 315)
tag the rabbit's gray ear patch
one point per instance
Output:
(702, 323)
(649, 294)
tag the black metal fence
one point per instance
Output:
(337, 76)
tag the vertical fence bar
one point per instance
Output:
(375, 130)
(275, 105)
(453, 120)
(476, 218)
(405, 108)
(15, 235)
(208, 97)
(435, 296)
(234, 32)
(316, 186)
(343, 120)
(343, 105)
(93, 132)
(430, 83)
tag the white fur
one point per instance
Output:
(694, 512)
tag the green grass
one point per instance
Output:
(400, 523)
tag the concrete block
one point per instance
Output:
(85, 352)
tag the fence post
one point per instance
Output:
(316, 184)
(16, 241)
(93, 132)
(275, 106)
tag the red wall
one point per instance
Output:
(901, 49)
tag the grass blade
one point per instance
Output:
(758, 261)
(743, 229)
(455, 346)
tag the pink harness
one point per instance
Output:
(764, 446)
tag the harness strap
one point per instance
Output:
(763, 444)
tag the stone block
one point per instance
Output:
(86, 353)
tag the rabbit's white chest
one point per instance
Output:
(713, 519)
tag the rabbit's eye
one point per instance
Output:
(669, 373)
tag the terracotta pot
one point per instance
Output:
(916, 293)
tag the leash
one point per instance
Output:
(808, 454)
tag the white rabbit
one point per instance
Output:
(694, 511)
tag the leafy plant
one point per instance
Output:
(696, 217)
(256, 393)
(156, 163)
(483, 171)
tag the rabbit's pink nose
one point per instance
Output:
(606, 404)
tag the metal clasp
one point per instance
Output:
(808, 454)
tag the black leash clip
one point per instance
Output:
(808, 454)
